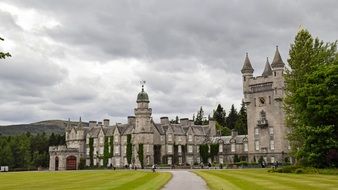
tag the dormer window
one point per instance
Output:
(170, 137)
(190, 138)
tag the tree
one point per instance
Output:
(91, 151)
(199, 117)
(311, 102)
(232, 118)
(3, 55)
(204, 153)
(241, 124)
(220, 115)
(214, 148)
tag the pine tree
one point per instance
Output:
(311, 101)
(220, 115)
(241, 123)
(232, 118)
(3, 55)
(199, 117)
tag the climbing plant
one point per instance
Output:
(213, 151)
(105, 152)
(91, 151)
(129, 149)
(140, 154)
(111, 146)
(204, 153)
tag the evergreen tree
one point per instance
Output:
(311, 101)
(241, 123)
(199, 117)
(3, 55)
(232, 118)
(220, 115)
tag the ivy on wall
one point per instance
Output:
(91, 151)
(111, 146)
(140, 154)
(204, 153)
(129, 149)
(105, 152)
(214, 148)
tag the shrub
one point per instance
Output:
(299, 171)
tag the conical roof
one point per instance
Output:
(277, 60)
(247, 68)
(267, 70)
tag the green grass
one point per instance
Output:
(95, 179)
(261, 179)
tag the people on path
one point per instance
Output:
(153, 168)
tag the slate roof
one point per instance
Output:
(277, 60)
(267, 70)
(247, 67)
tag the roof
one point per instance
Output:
(142, 96)
(267, 70)
(247, 68)
(277, 60)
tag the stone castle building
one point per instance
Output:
(178, 143)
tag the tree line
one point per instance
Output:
(27, 151)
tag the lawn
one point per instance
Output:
(99, 179)
(261, 179)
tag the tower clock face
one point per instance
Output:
(261, 100)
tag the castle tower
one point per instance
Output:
(266, 126)
(144, 131)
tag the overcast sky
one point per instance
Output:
(86, 58)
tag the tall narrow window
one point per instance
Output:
(246, 147)
(269, 99)
(233, 147)
(255, 102)
(271, 131)
(170, 137)
(220, 147)
(272, 145)
(190, 138)
(257, 145)
(256, 131)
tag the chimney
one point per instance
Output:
(234, 133)
(212, 126)
(184, 121)
(164, 120)
(106, 122)
(99, 123)
(131, 120)
(92, 124)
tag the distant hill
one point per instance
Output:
(48, 126)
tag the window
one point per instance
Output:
(257, 145)
(246, 147)
(220, 148)
(190, 138)
(271, 131)
(262, 100)
(101, 140)
(263, 115)
(256, 131)
(272, 159)
(221, 160)
(116, 138)
(87, 140)
(189, 148)
(198, 149)
(117, 149)
(233, 147)
(87, 151)
(274, 73)
(94, 151)
(95, 141)
(170, 148)
(255, 101)
(272, 145)
(147, 148)
(101, 150)
(179, 148)
(179, 139)
(125, 149)
(161, 138)
(170, 137)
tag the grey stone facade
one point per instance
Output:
(167, 143)
(263, 97)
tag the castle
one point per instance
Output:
(102, 144)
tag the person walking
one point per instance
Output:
(153, 168)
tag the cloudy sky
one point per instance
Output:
(86, 58)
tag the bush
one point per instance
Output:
(299, 171)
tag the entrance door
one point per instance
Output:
(71, 163)
(56, 163)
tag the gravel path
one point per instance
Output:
(185, 180)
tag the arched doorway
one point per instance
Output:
(71, 163)
(56, 163)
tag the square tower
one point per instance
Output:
(263, 97)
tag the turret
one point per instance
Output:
(267, 70)
(247, 73)
(278, 80)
